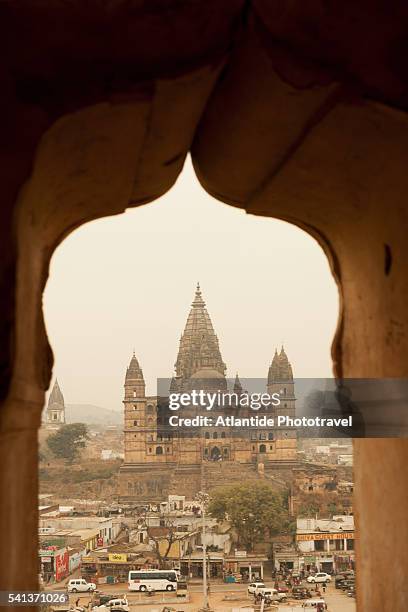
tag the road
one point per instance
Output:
(223, 597)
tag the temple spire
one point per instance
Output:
(237, 385)
(198, 299)
(134, 371)
(199, 348)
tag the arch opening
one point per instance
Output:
(124, 285)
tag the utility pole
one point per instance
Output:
(205, 606)
(203, 498)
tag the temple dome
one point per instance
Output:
(207, 379)
(207, 373)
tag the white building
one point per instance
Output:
(326, 545)
(107, 528)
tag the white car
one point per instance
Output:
(79, 585)
(319, 577)
(270, 593)
(253, 586)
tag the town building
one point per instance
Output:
(114, 562)
(89, 532)
(326, 545)
(53, 562)
(245, 565)
(321, 488)
(285, 554)
(158, 460)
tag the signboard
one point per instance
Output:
(89, 559)
(61, 565)
(46, 552)
(46, 559)
(240, 553)
(308, 537)
(117, 558)
(99, 541)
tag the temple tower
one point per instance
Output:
(199, 357)
(280, 380)
(135, 430)
(55, 413)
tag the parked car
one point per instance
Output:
(347, 584)
(80, 585)
(114, 605)
(342, 576)
(270, 593)
(182, 589)
(99, 598)
(320, 577)
(253, 586)
(299, 592)
(338, 580)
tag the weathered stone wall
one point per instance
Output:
(138, 484)
(100, 104)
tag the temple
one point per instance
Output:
(154, 455)
(55, 412)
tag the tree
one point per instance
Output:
(254, 510)
(68, 440)
(162, 538)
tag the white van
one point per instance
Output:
(271, 593)
(79, 585)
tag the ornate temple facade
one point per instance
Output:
(149, 448)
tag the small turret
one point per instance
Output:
(55, 413)
(280, 369)
(237, 385)
(134, 381)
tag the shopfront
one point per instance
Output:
(54, 564)
(248, 567)
(327, 552)
(344, 562)
(192, 565)
(110, 568)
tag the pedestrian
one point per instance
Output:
(324, 587)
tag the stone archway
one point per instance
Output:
(93, 140)
(301, 127)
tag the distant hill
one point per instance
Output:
(92, 415)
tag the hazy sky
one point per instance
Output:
(127, 282)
